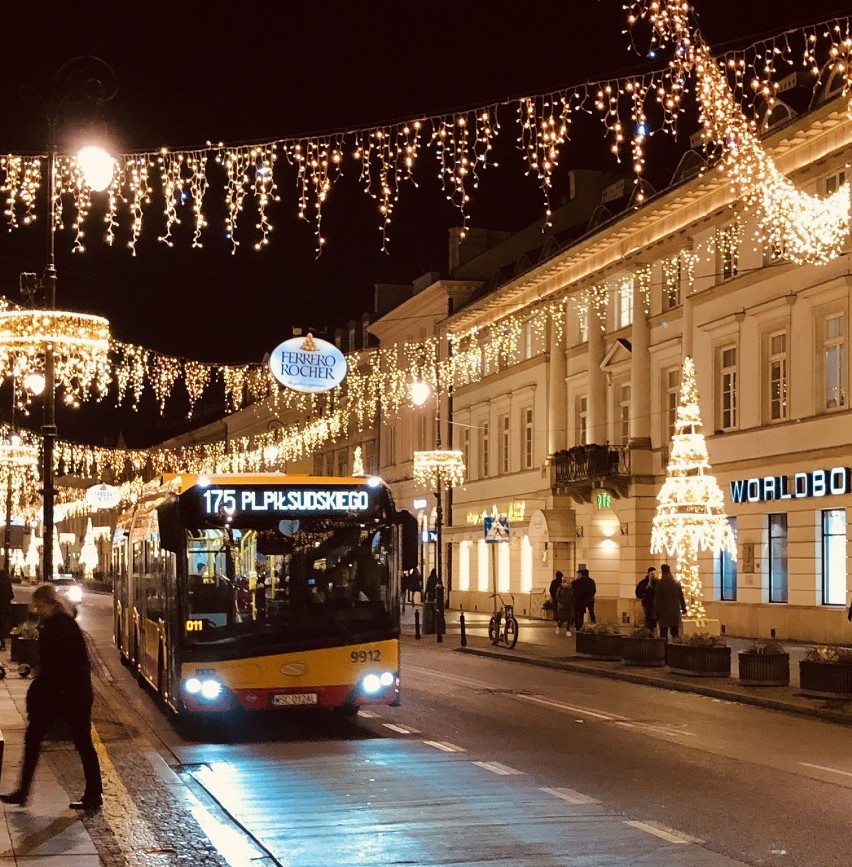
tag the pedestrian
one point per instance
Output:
(645, 594)
(6, 597)
(62, 688)
(668, 604)
(415, 584)
(431, 584)
(564, 604)
(584, 597)
(553, 590)
(260, 595)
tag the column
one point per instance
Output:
(640, 377)
(557, 404)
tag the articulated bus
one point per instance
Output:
(261, 591)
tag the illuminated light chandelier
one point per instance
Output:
(439, 468)
(80, 344)
(690, 506)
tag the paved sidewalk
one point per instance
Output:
(45, 833)
(540, 644)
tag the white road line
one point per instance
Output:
(571, 796)
(661, 831)
(585, 711)
(823, 768)
(368, 714)
(663, 730)
(497, 768)
(445, 746)
(403, 730)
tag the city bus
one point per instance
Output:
(260, 591)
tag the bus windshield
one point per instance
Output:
(293, 580)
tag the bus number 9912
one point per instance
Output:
(365, 655)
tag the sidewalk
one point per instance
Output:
(45, 832)
(539, 644)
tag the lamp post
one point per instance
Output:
(439, 468)
(81, 79)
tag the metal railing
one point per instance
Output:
(591, 461)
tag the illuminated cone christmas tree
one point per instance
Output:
(690, 506)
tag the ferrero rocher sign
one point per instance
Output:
(308, 364)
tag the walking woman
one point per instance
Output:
(62, 688)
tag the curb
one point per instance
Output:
(676, 686)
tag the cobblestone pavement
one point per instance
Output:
(149, 817)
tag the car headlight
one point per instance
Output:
(75, 594)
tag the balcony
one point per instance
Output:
(580, 470)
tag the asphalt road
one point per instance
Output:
(496, 763)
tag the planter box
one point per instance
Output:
(764, 669)
(24, 650)
(644, 651)
(594, 645)
(825, 679)
(696, 660)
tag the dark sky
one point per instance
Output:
(252, 71)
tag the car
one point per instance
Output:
(68, 588)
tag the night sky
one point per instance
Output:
(252, 71)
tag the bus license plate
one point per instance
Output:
(291, 698)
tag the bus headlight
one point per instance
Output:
(193, 686)
(75, 593)
(373, 683)
(208, 688)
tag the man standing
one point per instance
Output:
(669, 604)
(553, 590)
(62, 688)
(584, 597)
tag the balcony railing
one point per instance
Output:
(583, 463)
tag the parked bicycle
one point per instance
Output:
(503, 626)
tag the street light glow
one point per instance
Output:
(97, 166)
(420, 392)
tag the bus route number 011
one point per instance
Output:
(194, 625)
(365, 655)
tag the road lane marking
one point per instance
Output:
(585, 711)
(823, 768)
(403, 730)
(661, 831)
(571, 796)
(368, 714)
(661, 729)
(445, 746)
(498, 768)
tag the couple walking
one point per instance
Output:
(571, 599)
(662, 601)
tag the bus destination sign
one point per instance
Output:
(269, 500)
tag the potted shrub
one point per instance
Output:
(826, 672)
(642, 647)
(764, 663)
(700, 655)
(600, 641)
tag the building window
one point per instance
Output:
(832, 183)
(672, 399)
(582, 425)
(728, 387)
(390, 447)
(583, 323)
(329, 463)
(465, 447)
(672, 276)
(834, 557)
(505, 437)
(778, 557)
(778, 376)
(728, 245)
(727, 570)
(319, 463)
(343, 468)
(624, 307)
(528, 438)
(834, 360)
(624, 415)
(483, 450)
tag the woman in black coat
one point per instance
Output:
(62, 688)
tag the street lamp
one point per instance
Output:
(81, 79)
(438, 468)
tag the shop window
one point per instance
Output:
(777, 561)
(834, 557)
(726, 570)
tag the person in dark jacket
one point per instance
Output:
(6, 597)
(62, 688)
(553, 590)
(645, 593)
(431, 584)
(668, 604)
(564, 605)
(584, 597)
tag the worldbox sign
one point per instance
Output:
(496, 528)
(308, 364)
(103, 496)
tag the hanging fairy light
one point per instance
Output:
(439, 467)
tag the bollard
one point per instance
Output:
(462, 630)
(417, 623)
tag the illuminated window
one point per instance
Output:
(834, 360)
(505, 438)
(526, 564)
(465, 446)
(464, 565)
(583, 323)
(528, 438)
(482, 566)
(777, 376)
(624, 415)
(672, 397)
(728, 387)
(582, 425)
(833, 182)
(624, 306)
(834, 557)
(777, 567)
(483, 450)
(672, 276)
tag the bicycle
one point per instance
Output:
(506, 619)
